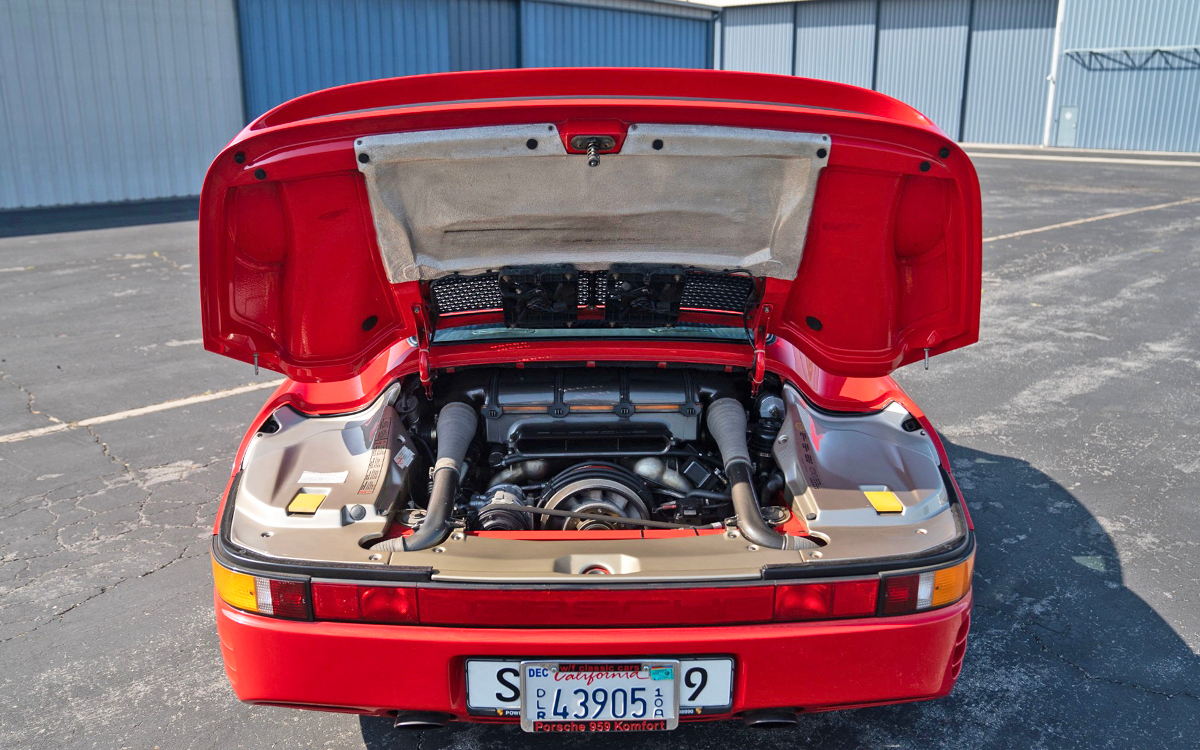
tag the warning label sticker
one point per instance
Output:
(323, 477)
(404, 457)
(378, 456)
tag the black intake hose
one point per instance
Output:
(455, 430)
(726, 421)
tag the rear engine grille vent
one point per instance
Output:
(702, 290)
(460, 294)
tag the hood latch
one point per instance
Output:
(594, 145)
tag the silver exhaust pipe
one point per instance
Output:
(421, 720)
(771, 718)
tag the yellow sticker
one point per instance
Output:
(305, 503)
(884, 501)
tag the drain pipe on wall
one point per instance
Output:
(1053, 77)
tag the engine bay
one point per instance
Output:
(621, 444)
(538, 472)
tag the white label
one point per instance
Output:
(323, 477)
(404, 457)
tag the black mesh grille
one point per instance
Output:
(456, 294)
(716, 291)
(703, 290)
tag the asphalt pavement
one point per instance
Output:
(1073, 428)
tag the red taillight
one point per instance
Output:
(550, 607)
(823, 601)
(388, 603)
(282, 598)
(341, 601)
(336, 601)
(596, 608)
(900, 594)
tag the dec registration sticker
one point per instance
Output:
(613, 696)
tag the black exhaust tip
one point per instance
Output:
(422, 720)
(771, 718)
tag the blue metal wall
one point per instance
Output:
(110, 100)
(1011, 46)
(922, 53)
(292, 47)
(835, 40)
(560, 34)
(922, 47)
(1141, 102)
(484, 35)
(759, 38)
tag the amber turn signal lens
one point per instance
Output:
(951, 584)
(237, 589)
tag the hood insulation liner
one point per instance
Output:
(472, 199)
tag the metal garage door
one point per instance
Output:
(291, 48)
(113, 100)
(922, 56)
(835, 40)
(557, 34)
(1011, 45)
(759, 38)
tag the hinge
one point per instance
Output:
(424, 330)
(762, 317)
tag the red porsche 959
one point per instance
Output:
(588, 422)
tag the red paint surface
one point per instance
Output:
(290, 268)
(376, 668)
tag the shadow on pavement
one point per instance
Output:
(1061, 654)
(23, 222)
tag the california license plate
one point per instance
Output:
(599, 696)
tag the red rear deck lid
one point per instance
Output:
(322, 221)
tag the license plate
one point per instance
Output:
(705, 685)
(608, 696)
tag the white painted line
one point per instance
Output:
(1091, 159)
(1070, 151)
(16, 437)
(1102, 217)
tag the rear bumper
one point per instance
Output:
(378, 669)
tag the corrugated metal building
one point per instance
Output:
(114, 100)
(1131, 71)
(118, 100)
(1127, 72)
(290, 48)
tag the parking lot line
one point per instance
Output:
(16, 437)
(1101, 217)
(1091, 159)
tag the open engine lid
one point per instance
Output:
(324, 222)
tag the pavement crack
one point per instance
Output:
(104, 448)
(31, 399)
(58, 616)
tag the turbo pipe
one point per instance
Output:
(455, 430)
(726, 420)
